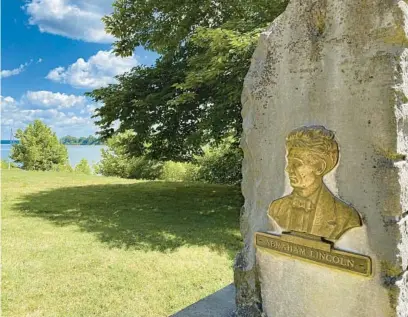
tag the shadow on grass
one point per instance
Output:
(147, 216)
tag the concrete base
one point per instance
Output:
(219, 304)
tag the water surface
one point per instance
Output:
(92, 153)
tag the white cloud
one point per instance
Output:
(7, 102)
(98, 71)
(65, 114)
(48, 99)
(76, 19)
(12, 72)
(89, 109)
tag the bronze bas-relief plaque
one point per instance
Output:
(311, 217)
(312, 152)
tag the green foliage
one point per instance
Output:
(179, 105)
(162, 25)
(113, 159)
(5, 164)
(221, 164)
(83, 167)
(117, 162)
(143, 168)
(191, 96)
(141, 102)
(178, 171)
(39, 148)
(71, 140)
(62, 168)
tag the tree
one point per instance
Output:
(39, 148)
(191, 96)
(141, 101)
(83, 167)
(164, 25)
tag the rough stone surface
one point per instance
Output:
(248, 294)
(342, 64)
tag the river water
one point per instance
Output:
(92, 153)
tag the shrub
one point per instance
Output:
(143, 168)
(177, 171)
(116, 162)
(191, 172)
(221, 165)
(62, 168)
(110, 164)
(39, 148)
(127, 167)
(83, 167)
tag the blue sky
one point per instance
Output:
(52, 52)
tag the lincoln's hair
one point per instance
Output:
(317, 142)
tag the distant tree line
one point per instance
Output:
(90, 140)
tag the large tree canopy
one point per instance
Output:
(191, 96)
(161, 25)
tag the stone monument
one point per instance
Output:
(325, 175)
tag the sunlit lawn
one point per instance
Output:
(76, 245)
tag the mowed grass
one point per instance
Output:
(77, 245)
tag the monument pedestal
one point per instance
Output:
(316, 279)
(341, 65)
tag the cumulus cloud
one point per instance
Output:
(98, 71)
(76, 19)
(7, 103)
(65, 114)
(8, 106)
(48, 99)
(12, 72)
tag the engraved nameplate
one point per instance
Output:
(315, 251)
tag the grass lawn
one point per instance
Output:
(77, 245)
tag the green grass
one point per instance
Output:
(78, 245)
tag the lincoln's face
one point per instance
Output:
(302, 171)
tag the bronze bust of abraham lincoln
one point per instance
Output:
(311, 208)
